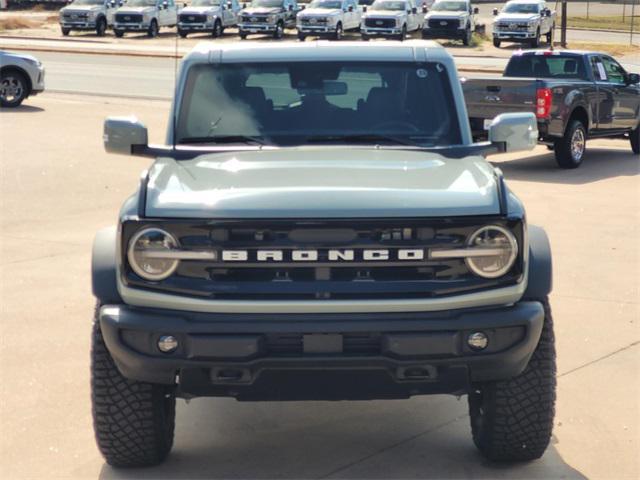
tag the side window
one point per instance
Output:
(615, 72)
(599, 73)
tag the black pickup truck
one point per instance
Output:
(575, 96)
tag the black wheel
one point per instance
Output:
(338, 33)
(243, 36)
(217, 29)
(279, 31)
(301, 36)
(118, 33)
(467, 36)
(183, 33)
(513, 419)
(101, 27)
(152, 32)
(365, 37)
(634, 138)
(550, 34)
(535, 41)
(496, 42)
(570, 148)
(403, 34)
(65, 31)
(133, 421)
(13, 89)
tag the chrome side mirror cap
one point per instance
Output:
(122, 134)
(514, 132)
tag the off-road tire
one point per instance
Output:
(634, 139)
(101, 27)
(18, 81)
(153, 30)
(118, 33)
(183, 33)
(512, 420)
(496, 43)
(338, 33)
(466, 40)
(565, 154)
(133, 421)
(217, 29)
(65, 31)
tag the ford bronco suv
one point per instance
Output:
(320, 226)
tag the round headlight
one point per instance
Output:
(501, 251)
(145, 254)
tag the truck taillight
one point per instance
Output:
(543, 102)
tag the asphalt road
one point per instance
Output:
(57, 187)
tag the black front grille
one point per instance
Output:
(313, 21)
(513, 27)
(128, 18)
(380, 22)
(322, 279)
(192, 18)
(292, 344)
(75, 16)
(254, 19)
(443, 24)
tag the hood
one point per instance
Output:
(384, 13)
(446, 15)
(199, 10)
(262, 10)
(308, 12)
(329, 182)
(81, 8)
(134, 9)
(516, 17)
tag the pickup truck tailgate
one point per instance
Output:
(488, 97)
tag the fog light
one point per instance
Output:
(167, 343)
(478, 341)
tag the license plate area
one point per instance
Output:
(319, 343)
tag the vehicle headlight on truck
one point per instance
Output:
(492, 251)
(148, 254)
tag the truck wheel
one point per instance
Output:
(118, 33)
(467, 36)
(365, 37)
(338, 33)
(403, 34)
(217, 29)
(496, 42)
(183, 33)
(550, 34)
(279, 32)
(152, 32)
(65, 31)
(243, 36)
(301, 36)
(535, 42)
(570, 148)
(512, 419)
(101, 27)
(13, 89)
(634, 138)
(133, 421)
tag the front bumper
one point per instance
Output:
(380, 32)
(514, 36)
(316, 29)
(257, 28)
(457, 34)
(195, 27)
(84, 25)
(37, 83)
(321, 356)
(132, 27)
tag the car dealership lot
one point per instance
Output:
(56, 191)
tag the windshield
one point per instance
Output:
(388, 5)
(141, 3)
(521, 8)
(88, 2)
(298, 103)
(205, 3)
(267, 3)
(325, 4)
(552, 66)
(449, 7)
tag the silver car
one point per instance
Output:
(20, 77)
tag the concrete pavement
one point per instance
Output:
(58, 187)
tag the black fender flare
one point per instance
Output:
(104, 266)
(540, 282)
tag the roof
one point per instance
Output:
(557, 52)
(323, 50)
(525, 1)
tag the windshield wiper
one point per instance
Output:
(224, 139)
(363, 137)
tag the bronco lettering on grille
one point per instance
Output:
(330, 255)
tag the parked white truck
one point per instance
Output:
(328, 18)
(145, 16)
(84, 15)
(523, 21)
(391, 19)
(451, 19)
(211, 16)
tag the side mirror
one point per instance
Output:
(229, 5)
(424, 9)
(514, 132)
(495, 12)
(364, 8)
(290, 8)
(122, 134)
(350, 8)
(165, 5)
(632, 78)
(414, 10)
(476, 10)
